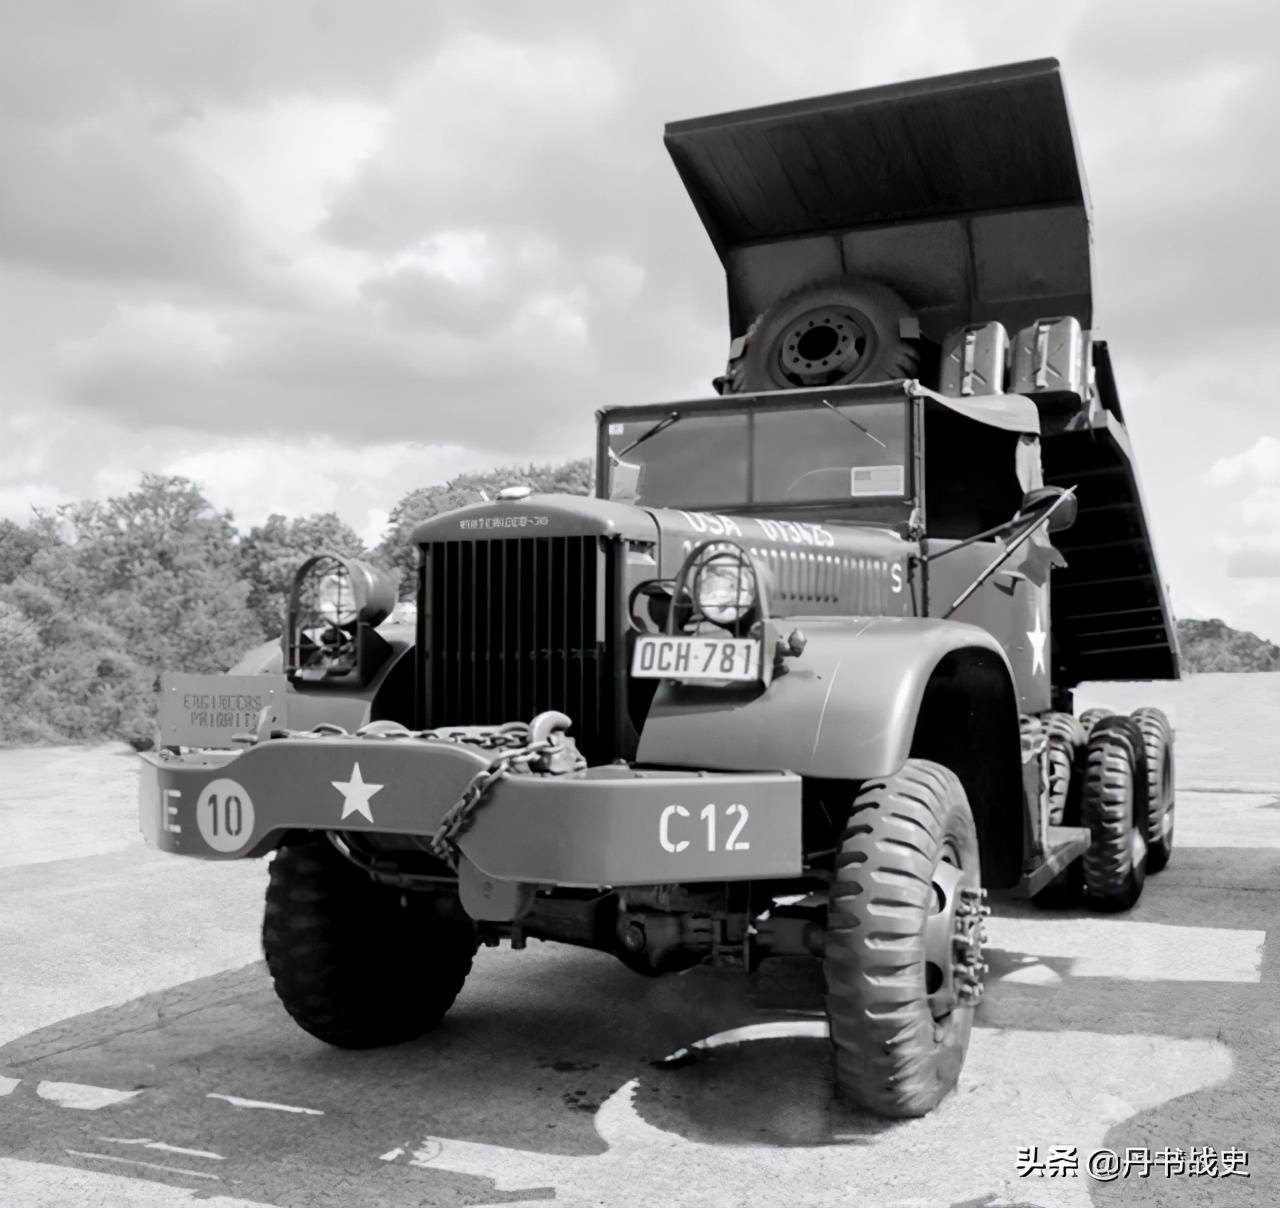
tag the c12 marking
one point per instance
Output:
(224, 814)
(733, 842)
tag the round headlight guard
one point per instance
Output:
(720, 581)
(340, 592)
(333, 608)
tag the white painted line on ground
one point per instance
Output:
(782, 1029)
(1026, 1079)
(1134, 951)
(392, 1154)
(150, 1144)
(1033, 974)
(108, 1157)
(275, 1107)
(81, 1097)
(1227, 819)
(7, 1085)
(1249, 788)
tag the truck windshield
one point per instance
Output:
(822, 452)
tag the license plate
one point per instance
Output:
(659, 656)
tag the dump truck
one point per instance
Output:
(796, 681)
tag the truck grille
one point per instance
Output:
(509, 627)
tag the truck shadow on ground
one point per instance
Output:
(537, 1043)
(534, 1046)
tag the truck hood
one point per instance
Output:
(810, 568)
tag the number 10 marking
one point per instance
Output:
(224, 814)
(232, 814)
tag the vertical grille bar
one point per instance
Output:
(448, 619)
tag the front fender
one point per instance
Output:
(845, 709)
(389, 692)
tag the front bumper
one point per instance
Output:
(603, 826)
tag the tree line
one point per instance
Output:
(97, 598)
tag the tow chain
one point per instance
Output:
(520, 752)
(539, 747)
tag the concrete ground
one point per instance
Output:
(144, 1059)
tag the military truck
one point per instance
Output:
(797, 679)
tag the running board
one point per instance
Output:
(1064, 845)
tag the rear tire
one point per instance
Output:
(1112, 803)
(1157, 741)
(1066, 736)
(900, 1021)
(357, 964)
(1090, 718)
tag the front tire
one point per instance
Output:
(1091, 717)
(903, 948)
(357, 964)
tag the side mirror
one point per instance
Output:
(1042, 499)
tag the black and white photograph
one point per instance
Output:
(639, 605)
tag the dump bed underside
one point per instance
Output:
(965, 193)
(1111, 615)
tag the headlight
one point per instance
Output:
(340, 592)
(333, 608)
(335, 599)
(722, 583)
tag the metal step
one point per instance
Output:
(1063, 845)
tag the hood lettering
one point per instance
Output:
(500, 522)
(789, 532)
(712, 524)
(796, 532)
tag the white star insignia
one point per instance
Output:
(355, 794)
(1037, 637)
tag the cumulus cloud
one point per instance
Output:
(453, 155)
(116, 200)
(254, 478)
(1259, 463)
(63, 60)
(238, 236)
(1251, 540)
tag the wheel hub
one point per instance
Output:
(953, 938)
(970, 936)
(822, 345)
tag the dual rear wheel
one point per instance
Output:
(1119, 783)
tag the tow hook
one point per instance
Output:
(562, 756)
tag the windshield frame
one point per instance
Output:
(894, 511)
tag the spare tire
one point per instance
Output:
(824, 335)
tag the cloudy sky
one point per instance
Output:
(313, 253)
